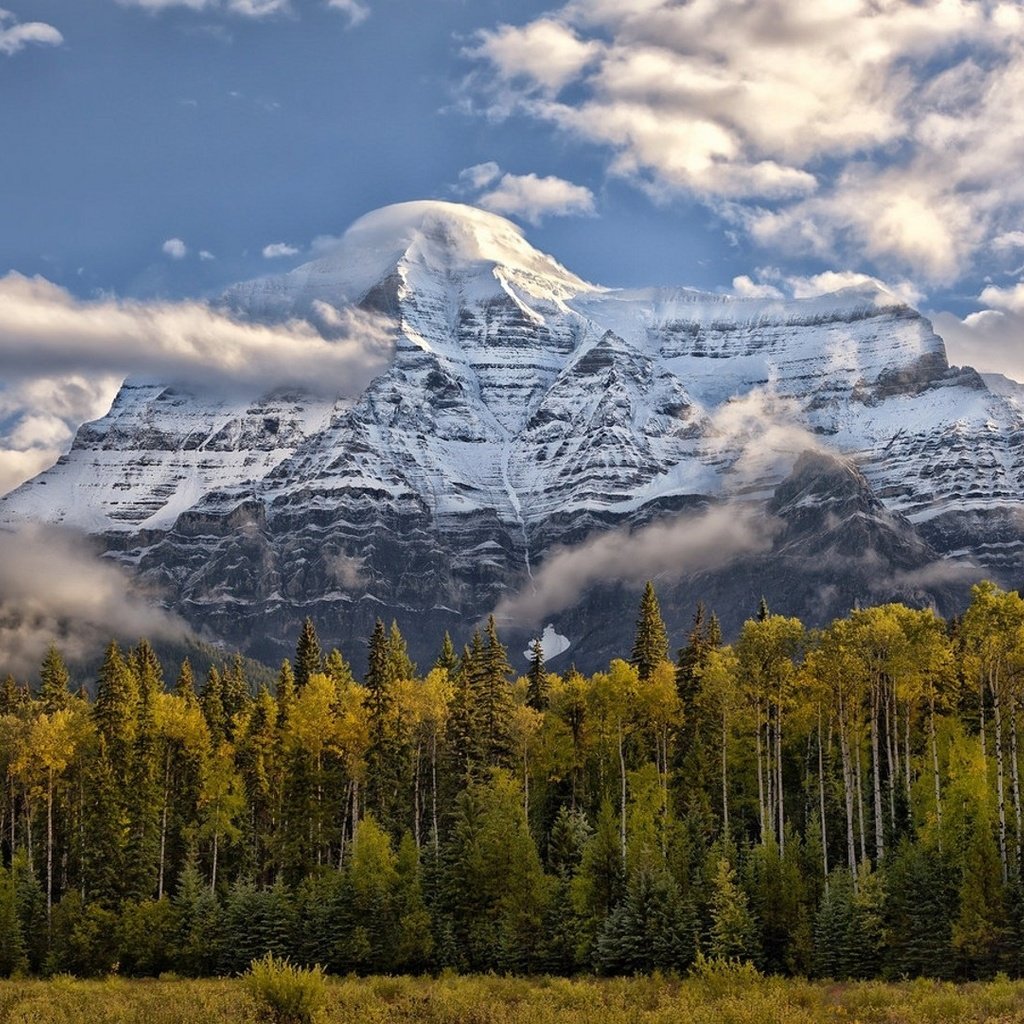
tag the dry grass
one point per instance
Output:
(714, 998)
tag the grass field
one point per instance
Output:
(716, 998)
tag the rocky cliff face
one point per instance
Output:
(525, 409)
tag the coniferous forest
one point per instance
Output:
(842, 803)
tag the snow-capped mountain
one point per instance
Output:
(525, 409)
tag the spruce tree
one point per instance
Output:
(537, 679)
(285, 692)
(54, 678)
(733, 933)
(185, 687)
(447, 659)
(308, 655)
(398, 654)
(650, 643)
(13, 955)
(494, 699)
(213, 706)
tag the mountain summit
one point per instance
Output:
(526, 410)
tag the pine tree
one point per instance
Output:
(380, 698)
(763, 611)
(733, 933)
(212, 701)
(339, 670)
(198, 947)
(308, 655)
(650, 644)
(447, 659)
(13, 955)
(537, 679)
(236, 694)
(491, 672)
(398, 654)
(285, 692)
(54, 678)
(185, 687)
(116, 708)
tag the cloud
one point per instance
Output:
(1008, 299)
(746, 288)
(527, 196)
(991, 340)
(54, 587)
(205, 255)
(15, 35)
(277, 250)
(175, 248)
(357, 11)
(669, 549)
(772, 283)
(241, 8)
(546, 53)
(887, 130)
(62, 359)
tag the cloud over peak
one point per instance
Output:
(527, 196)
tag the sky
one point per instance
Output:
(155, 151)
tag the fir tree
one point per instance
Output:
(447, 659)
(650, 643)
(13, 955)
(185, 687)
(285, 691)
(213, 705)
(733, 933)
(536, 678)
(54, 678)
(398, 654)
(308, 655)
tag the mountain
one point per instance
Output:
(526, 409)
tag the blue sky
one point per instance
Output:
(158, 150)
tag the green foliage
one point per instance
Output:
(284, 993)
(650, 643)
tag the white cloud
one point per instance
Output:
(890, 130)
(276, 250)
(991, 340)
(771, 283)
(356, 10)
(746, 288)
(62, 359)
(1009, 299)
(242, 8)
(546, 53)
(205, 255)
(525, 195)
(479, 176)
(175, 248)
(15, 35)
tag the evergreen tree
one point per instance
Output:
(308, 655)
(490, 674)
(733, 933)
(285, 691)
(398, 655)
(197, 949)
(13, 954)
(213, 705)
(763, 611)
(447, 659)
(650, 643)
(185, 687)
(651, 929)
(537, 679)
(54, 678)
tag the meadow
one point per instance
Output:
(715, 995)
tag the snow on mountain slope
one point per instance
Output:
(523, 409)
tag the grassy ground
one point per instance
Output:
(718, 998)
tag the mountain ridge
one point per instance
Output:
(525, 409)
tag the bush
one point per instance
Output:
(284, 993)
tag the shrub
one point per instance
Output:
(284, 993)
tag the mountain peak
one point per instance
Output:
(426, 238)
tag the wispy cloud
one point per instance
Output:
(669, 549)
(527, 196)
(62, 359)
(356, 10)
(55, 587)
(175, 248)
(15, 35)
(277, 250)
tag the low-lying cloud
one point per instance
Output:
(54, 587)
(684, 546)
(62, 359)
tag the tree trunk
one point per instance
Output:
(1015, 776)
(778, 785)
(935, 763)
(762, 814)
(891, 758)
(993, 680)
(725, 777)
(49, 845)
(163, 824)
(213, 871)
(844, 751)
(622, 797)
(876, 779)
(433, 786)
(821, 801)
(416, 794)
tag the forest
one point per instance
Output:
(835, 803)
